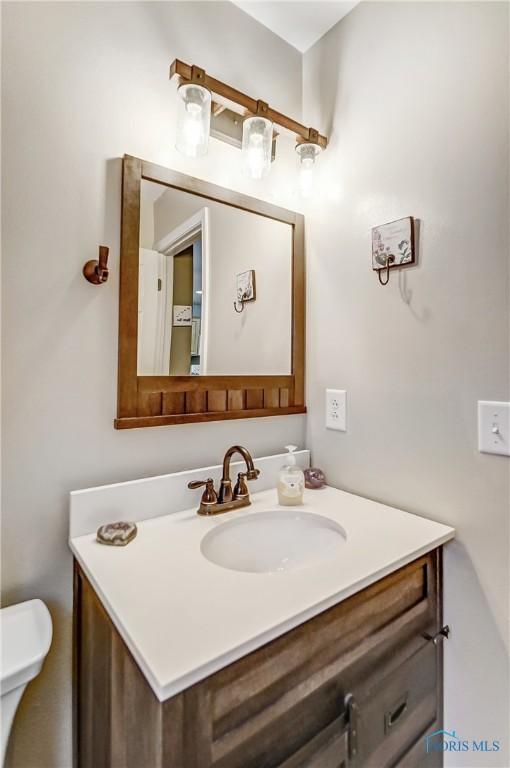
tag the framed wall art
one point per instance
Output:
(393, 246)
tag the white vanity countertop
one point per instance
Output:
(184, 618)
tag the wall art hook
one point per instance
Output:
(246, 289)
(389, 261)
(96, 270)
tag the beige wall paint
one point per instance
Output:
(180, 345)
(83, 83)
(258, 340)
(415, 96)
(146, 221)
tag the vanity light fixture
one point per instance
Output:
(193, 115)
(195, 122)
(257, 143)
(307, 152)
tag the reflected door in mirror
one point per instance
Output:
(194, 254)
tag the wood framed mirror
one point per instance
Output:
(197, 341)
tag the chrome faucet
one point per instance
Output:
(213, 503)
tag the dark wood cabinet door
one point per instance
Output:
(395, 710)
(327, 749)
(303, 727)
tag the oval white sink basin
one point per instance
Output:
(273, 541)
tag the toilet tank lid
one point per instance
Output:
(25, 639)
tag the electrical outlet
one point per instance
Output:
(336, 409)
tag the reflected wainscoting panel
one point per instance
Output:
(210, 398)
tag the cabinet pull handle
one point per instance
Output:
(391, 718)
(444, 633)
(352, 717)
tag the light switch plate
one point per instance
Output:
(336, 407)
(494, 427)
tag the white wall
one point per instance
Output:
(258, 340)
(83, 83)
(146, 218)
(415, 96)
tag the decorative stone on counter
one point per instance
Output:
(117, 534)
(314, 478)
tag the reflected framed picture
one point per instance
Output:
(245, 286)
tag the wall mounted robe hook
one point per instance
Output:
(96, 271)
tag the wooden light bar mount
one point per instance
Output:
(250, 106)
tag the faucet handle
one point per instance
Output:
(240, 488)
(209, 496)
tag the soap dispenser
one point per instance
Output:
(291, 481)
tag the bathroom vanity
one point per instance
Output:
(184, 663)
(359, 684)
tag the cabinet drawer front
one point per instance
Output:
(396, 710)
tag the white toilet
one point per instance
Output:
(25, 639)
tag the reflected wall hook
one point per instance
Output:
(242, 301)
(96, 271)
(246, 289)
(390, 259)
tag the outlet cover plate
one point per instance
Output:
(494, 427)
(336, 409)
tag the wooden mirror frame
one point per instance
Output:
(151, 401)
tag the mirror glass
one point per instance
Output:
(215, 288)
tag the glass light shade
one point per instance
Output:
(257, 144)
(193, 119)
(307, 154)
